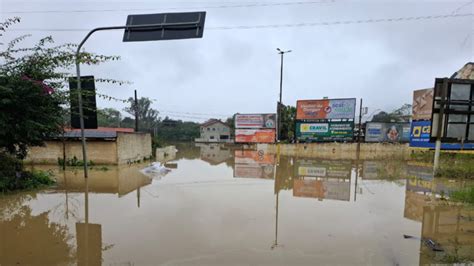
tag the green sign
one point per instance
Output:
(325, 131)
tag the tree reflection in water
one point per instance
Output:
(31, 239)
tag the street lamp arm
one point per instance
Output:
(157, 26)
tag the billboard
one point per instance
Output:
(420, 138)
(387, 132)
(453, 110)
(325, 109)
(89, 106)
(325, 131)
(422, 104)
(255, 135)
(255, 121)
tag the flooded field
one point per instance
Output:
(218, 205)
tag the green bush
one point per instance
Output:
(25, 180)
(13, 177)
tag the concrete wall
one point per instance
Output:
(165, 154)
(339, 150)
(133, 147)
(100, 152)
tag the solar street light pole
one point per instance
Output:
(155, 26)
(282, 53)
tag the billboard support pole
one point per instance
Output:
(440, 125)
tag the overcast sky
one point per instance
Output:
(237, 70)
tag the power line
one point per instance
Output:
(292, 25)
(188, 113)
(256, 4)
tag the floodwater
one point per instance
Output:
(225, 206)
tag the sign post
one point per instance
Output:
(440, 126)
(144, 27)
(360, 127)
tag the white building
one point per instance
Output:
(214, 130)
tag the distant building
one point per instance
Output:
(214, 130)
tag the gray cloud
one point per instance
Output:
(235, 70)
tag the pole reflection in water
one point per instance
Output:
(88, 236)
(277, 195)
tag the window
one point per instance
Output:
(208, 129)
(211, 137)
(213, 129)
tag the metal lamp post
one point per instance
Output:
(145, 28)
(281, 53)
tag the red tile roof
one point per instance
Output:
(212, 121)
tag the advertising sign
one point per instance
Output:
(327, 131)
(387, 132)
(453, 110)
(89, 105)
(255, 135)
(325, 109)
(422, 104)
(420, 138)
(255, 121)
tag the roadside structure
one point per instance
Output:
(214, 130)
(255, 128)
(422, 124)
(105, 146)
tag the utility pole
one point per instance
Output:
(282, 53)
(136, 112)
(360, 129)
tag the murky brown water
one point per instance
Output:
(221, 206)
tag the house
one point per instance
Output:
(104, 146)
(214, 130)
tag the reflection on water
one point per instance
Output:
(227, 205)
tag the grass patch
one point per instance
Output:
(464, 195)
(452, 165)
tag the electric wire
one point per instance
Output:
(291, 25)
(257, 4)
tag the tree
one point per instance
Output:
(288, 116)
(147, 116)
(32, 89)
(109, 117)
(231, 123)
(401, 114)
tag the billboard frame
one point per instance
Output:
(442, 109)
